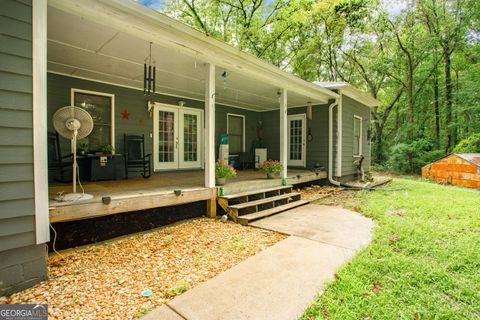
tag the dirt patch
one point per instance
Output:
(105, 281)
(331, 196)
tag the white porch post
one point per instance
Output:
(283, 131)
(210, 126)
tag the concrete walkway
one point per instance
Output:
(281, 281)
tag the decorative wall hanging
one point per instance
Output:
(224, 76)
(125, 115)
(309, 136)
(149, 75)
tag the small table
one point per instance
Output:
(95, 167)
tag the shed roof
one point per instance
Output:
(350, 91)
(473, 158)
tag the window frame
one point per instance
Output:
(243, 128)
(112, 108)
(355, 117)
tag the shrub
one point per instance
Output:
(421, 150)
(224, 170)
(271, 166)
(470, 144)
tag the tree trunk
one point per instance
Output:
(448, 99)
(436, 102)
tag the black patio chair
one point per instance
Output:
(246, 160)
(59, 167)
(135, 158)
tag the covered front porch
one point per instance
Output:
(96, 56)
(164, 189)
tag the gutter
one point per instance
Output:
(330, 143)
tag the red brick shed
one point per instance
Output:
(460, 169)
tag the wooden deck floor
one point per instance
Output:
(158, 191)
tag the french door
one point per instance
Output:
(177, 137)
(296, 140)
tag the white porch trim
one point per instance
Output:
(39, 75)
(210, 126)
(283, 131)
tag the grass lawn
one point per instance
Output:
(423, 264)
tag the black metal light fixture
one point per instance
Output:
(149, 75)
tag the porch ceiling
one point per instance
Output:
(83, 48)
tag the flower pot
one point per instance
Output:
(220, 181)
(272, 175)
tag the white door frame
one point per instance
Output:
(303, 161)
(178, 134)
(243, 127)
(190, 164)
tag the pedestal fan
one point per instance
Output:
(73, 123)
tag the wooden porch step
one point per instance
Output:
(249, 193)
(264, 200)
(245, 219)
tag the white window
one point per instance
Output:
(357, 135)
(101, 107)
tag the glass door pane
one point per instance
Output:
(296, 140)
(190, 139)
(165, 138)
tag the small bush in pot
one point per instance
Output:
(272, 168)
(223, 171)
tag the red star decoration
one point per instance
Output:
(125, 114)
(141, 121)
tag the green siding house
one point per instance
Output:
(91, 54)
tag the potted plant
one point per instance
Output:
(272, 168)
(107, 149)
(223, 171)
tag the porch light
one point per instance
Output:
(149, 75)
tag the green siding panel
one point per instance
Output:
(16, 172)
(15, 82)
(16, 190)
(17, 225)
(21, 11)
(17, 240)
(15, 119)
(15, 64)
(16, 155)
(135, 103)
(16, 208)
(15, 46)
(15, 100)
(15, 136)
(12, 27)
(350, 108)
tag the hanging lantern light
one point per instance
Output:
(149, 75)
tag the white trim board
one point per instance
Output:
(303, 161)
(360, 133)
(112, 107)
(39, 103)
(243, 124)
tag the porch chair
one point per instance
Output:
(59, 167)
(135, 158)
(246, 160)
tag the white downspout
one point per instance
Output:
(330, 144)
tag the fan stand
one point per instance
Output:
(74, 196)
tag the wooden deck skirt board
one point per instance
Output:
(61, 212)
